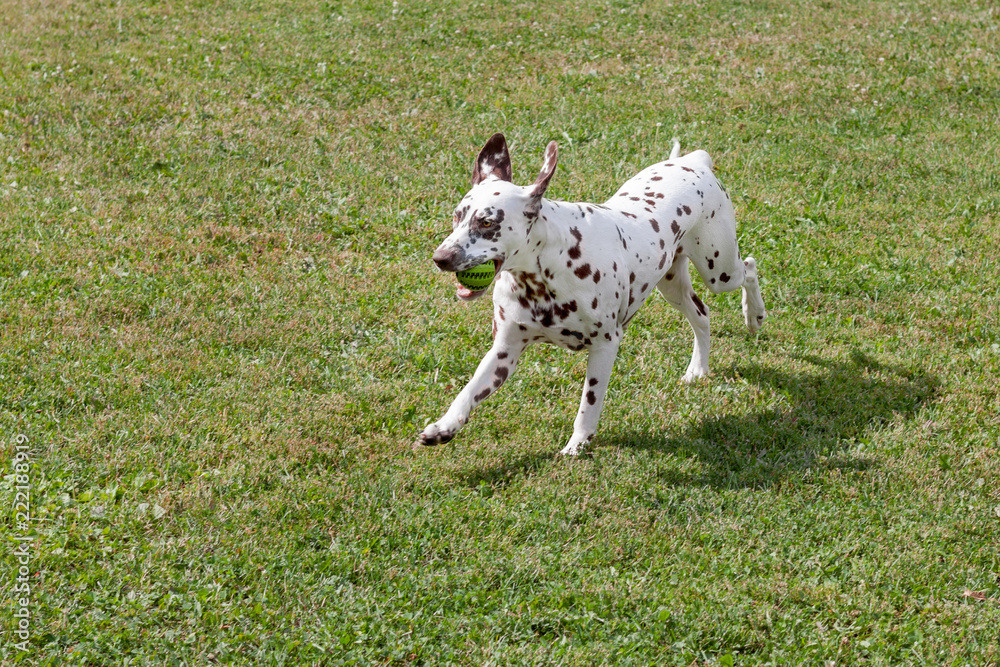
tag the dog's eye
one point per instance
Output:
(486, 222)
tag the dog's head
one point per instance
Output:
(493, 220)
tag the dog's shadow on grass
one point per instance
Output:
(825, 414)
(502, 475)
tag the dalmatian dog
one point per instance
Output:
(574, 274)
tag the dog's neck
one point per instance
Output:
(547, 231)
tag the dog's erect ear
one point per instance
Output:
(493, 160)
(548, 168)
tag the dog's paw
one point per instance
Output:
(575, 447)
(753, 313)
(435, 435)
(693, 374)
(754, 322)
(571, 450)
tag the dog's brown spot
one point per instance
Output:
(562, 311)
(575, 251)
(699, 305)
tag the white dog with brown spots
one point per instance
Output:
(574, 274)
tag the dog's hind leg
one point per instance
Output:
(717, 259)
(600, 362)
(676, 288)
(727, 272)
(498, 364)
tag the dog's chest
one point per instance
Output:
(555, 304)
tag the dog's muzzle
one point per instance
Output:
(447, 259)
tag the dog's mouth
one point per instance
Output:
(467, 294)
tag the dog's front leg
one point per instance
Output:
(600, 363)
(498, 364)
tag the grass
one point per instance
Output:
(222, 334)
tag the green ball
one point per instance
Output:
(478, 277)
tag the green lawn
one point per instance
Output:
(222, 333)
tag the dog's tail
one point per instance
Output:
(675, 152)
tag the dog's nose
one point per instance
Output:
(444, 258)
